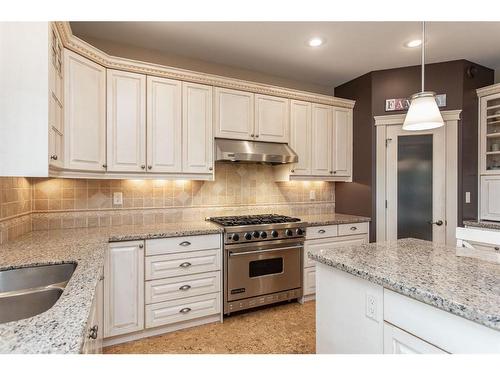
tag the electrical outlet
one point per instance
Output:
(312, 195)
(467, 197)
(118, 198)
(371, 307)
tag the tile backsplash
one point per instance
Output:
(237, 189)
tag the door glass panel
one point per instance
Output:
(265, 267)
(415, 186)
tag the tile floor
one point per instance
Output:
(282, 329)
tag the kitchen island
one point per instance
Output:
(405, 296)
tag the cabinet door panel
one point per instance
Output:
(490, 197)
(126, 121)
(85, 113)
(271, 119)
(342, 142)
(321, 143)
(124, 288)
(300, 136)
(397, 341)
(164, 126)
(234, 114)
(197, 128)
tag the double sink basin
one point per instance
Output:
(29, 291)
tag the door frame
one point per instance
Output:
(451, 119)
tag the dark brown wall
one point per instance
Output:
(370, 92)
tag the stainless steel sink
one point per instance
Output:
(29, 291)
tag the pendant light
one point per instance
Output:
(423, 113)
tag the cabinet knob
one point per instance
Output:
(104, 165)
(331, 172)
(185, 243)
(256, 136)
(354, 228)
(150, 167)
(185, 265)
(143, 166)
(334, 172)
(185, 287)
(293, 171)
(210, 168)
(141, 246)
(252, 135)
(53, 157)
(185, 310)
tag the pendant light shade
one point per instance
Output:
(423, 113)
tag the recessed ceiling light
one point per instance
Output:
(315, 42)
(414, 43)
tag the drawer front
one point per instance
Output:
(355, 228)
(180, 310)
(321, 231)
(328, 243)
(181, 287)
(309, 280)
(182, 244)
(180, 264)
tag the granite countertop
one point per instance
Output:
(427, 272)
(61, 329)
(483, 224)
(332, 219)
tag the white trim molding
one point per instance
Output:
(451, 119)
(77, 45)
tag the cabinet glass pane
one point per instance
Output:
(415, 186)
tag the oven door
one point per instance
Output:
(262, 270)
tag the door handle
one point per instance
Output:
(185, 243)
(232, 253)
(185, 265)
(438, 223)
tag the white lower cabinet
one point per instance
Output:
(124, 288)
(176, 285)
(490, 198)
(397, 341)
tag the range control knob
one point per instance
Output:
(248, 236)
(234, 237)
(274, 233)
(299, 232)
(289, 232)
(263, 235)
(256, 234)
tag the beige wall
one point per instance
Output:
(159, 57)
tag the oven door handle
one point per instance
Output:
(231, 254)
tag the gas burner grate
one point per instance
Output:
(230, 221)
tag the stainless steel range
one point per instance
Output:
(262, 260)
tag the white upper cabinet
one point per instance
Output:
(85, 113)
(164, 126)
(342, 142)
(271, 119)
(234, 114)
(126, 121)
(300, 136)
(197, 135)
(321, 140)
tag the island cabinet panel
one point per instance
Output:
(85, 114)
(126, 121)
(344, 322)
(397, 341)
(124, 288)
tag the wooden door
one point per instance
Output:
(234, 114)
(126, 121)
(321, 140)
(124, 288)
(300, 136)
(164, 125)
(85, 113)
(197, 136)
(271, 119)
(342, 142)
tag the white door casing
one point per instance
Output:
(164, 125)
(126, 121)
(450, 154)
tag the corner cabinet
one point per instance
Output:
(489, 152)
(321, 135)
(197, 128)
(124, 288)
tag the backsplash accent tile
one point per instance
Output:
(15, 207)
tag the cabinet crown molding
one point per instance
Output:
(77, 45)
(488, 90)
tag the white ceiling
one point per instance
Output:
(280, 49)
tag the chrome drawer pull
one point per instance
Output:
(185, 243)
(354, 228)
(185, 287)
(185, 264)
(321, 231)
(185, 310)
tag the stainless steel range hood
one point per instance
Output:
(251, 151)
